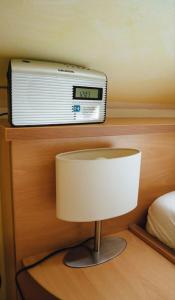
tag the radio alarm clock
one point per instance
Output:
(48, 93)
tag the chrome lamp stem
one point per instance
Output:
(97, 237)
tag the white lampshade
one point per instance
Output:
(96, 184)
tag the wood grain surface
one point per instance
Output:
(28, 160)
(153, 242)
(111, 127)
(7, 218)
(138, 273)
(33, 173)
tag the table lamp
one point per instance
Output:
(95, 185)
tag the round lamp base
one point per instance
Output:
(85, 256)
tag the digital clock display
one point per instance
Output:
(87, 93)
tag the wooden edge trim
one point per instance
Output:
(106, 129)
(7, 217)
(153, 242)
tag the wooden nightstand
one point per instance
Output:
(138, 273)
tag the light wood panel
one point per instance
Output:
(111, 127)
(2, 264)
(138, 273)
(153, 242)
(33, 171)
(7, 219)
(31, 205)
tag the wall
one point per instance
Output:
(132, 41)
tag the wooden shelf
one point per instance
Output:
(111, 127)
(138, 273)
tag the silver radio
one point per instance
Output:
(47, 93)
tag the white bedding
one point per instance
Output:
(161, 219)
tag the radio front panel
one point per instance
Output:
(40, 97)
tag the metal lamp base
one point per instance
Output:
(85, 256)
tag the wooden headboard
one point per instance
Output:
(28, 180)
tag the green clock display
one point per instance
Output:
(87, 93)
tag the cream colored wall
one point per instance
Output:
(132, 41)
